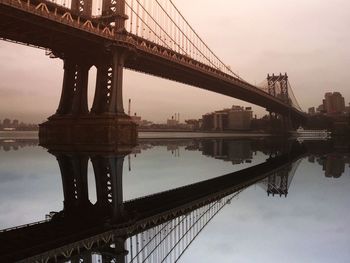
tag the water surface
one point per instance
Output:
(306, 221)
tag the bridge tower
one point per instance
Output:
(113, 11)
(278, 87)
(82, 7)
(106, 122)
(278, 183)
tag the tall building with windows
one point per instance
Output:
(334, 103)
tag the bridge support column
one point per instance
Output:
(120, 250)
(116, 254)
(86, 257)
(116, 11)
(109, 85)
(109, 184)
(74, 89)
(106, 123)
(74, 180)
(82, 7)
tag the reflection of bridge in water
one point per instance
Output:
(278, 183)
(157, 227)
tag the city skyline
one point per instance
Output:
(313, 52)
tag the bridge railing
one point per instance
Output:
(23, 226)
(61, 14)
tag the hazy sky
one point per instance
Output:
(308, 39)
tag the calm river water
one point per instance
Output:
(291, 210)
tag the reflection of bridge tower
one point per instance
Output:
(278, 182)
(108, 169)
(74, 179)
(109, 185)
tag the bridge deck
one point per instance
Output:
(59, 32)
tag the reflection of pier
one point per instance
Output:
(165, 222)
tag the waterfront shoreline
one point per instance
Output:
(147, 135)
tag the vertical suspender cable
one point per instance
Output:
(142, 22)
(131, 16)
(137, 18)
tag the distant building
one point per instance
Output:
(239, 118)
(320, 109)
(312, 111)
(145, 123)
(334, 103)
(220, 119)
(347, 109)
(235, 118)
(193, 124)
(208, 122)
(6, 123)
(15, 123)
(136, 119)
(172, 122)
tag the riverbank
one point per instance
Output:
(147, 135)
(4, 135)
(190, 135)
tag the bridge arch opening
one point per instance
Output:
(91, 85)
(91, 184)
(65, 3)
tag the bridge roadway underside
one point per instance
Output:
(140, 214)
(65, 38)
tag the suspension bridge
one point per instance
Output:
(151, 37)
